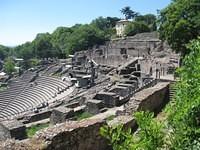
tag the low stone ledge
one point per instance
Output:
(126, 121)
(151, 99)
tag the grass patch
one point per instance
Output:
(34, 128)
(83, 116)
(110, 118)
(3, 87)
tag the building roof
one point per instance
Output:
(123, 21)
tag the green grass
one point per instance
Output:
(83, 116)
(34, 128)
(3, 87)
(110, 118)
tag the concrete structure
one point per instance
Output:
(120, 27)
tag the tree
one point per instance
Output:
(136, 27)
(9, 66)
(4, 52)
(179, 23)
(59, 38)
(24, 51)
(86, 36)
(106, 26)
(43, 47)
(128, 13)
(148, 19)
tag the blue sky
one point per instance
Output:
(21, 20)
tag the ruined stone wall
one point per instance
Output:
(84, 135)
(152, 99)
(114, 51)
(111, 60)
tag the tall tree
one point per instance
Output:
(148, 19)
(180, 23)
(136, 27)
(9, 66)
(4, 51)
(128, 13)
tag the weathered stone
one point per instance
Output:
(13, 129)
(94, 106)
(151, 99)
(126, 121)
(122, 91)
(110, 99)
(60, 114)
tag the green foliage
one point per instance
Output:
(118, 138)
(183, 112)
(24, 51)
(84, 37)
(128, 13)
(150, 135)
(148, 19)
(180, 23)
(136, 27)
(4, 52)
(3, 87)
(9, 66)
(34, 128)
(83, 116)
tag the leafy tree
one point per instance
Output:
(136, 27)
(85, 37)
(9, 66)
(179, 23)
(128, 13)
(24, 51)
(105, 23)
(43, 48)
(59, 38)
(148, 19)
(4, 52)
(106, 26)
(183, 112)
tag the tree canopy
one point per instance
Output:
(148, 19)
(9, 66)
(136, 27)
(179, 23)
(128, 13)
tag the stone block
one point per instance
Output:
(110, 99)
(13, 129)
(60, 114)
(94, 106)
(122, 91)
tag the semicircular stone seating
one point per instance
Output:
(23, 95)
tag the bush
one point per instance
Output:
(150, 135)
(136, 27)
(34, 128)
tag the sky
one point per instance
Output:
(21, 20)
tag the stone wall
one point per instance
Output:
(84, 135)
(152, 99)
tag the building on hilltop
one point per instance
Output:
(120, 27)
